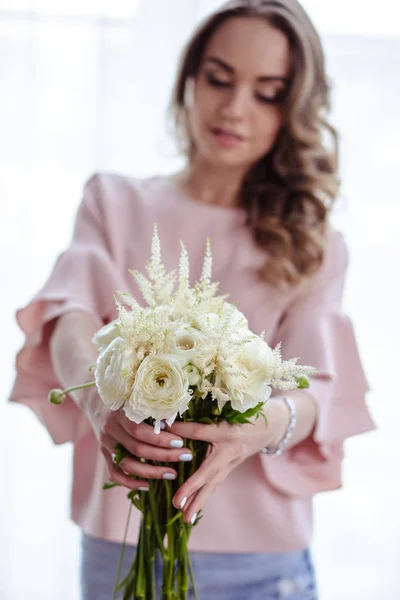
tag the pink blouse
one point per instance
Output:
(265, 504)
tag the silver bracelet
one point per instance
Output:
(289, 430)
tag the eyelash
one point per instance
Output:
(214, 82)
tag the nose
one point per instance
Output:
(235, 104)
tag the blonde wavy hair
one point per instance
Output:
(288, 194)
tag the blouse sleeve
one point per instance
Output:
(83, 278)
(315, 330)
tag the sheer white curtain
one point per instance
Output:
(84, 87)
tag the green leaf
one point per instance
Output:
(236, 417)
(120, 453)
(108, 486)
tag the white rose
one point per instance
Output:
(106, 334)
(114, 373)
(160, 391)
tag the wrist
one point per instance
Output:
(272, 428)
(278, 417)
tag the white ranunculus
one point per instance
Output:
(246, 378)
(160, 391)
(114, 373)
(106, 334)
(190, 346)
(256, 356)
(246, 391)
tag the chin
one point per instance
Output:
(225, 159)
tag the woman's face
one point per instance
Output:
(236, 112)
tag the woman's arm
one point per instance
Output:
(72, 353)
(232, 444)
(277, 414)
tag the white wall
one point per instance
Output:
(84, 93)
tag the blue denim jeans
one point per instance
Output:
(285, 576)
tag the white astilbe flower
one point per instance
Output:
(158, 288)
(207, 289)
(129, 300)
(283, 373)
(145, 286)
(184, 271)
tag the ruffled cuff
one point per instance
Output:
(314, 465)
(35, 376)
(84, 278)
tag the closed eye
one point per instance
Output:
(271, 99)
(220, 83)
(212, 80)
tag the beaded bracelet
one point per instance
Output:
(289, 430)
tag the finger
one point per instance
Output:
(119, 477)
(207, 471)
(142, 450)
(145, 470)
(130, 465)
(199, 431)
(145, 433)
(198, 502)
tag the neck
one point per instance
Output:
(210, 185)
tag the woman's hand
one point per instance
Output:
(230, 445)
(113, 427)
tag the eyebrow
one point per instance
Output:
(231, 70)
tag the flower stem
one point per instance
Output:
(80, 387)
(121, 557)
(156, 521)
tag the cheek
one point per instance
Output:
(203, 108)
(267, 125)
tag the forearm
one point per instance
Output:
(72, 351)
(277, 415)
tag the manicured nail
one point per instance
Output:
(185, 457)
(169, 476)
(176, 444)
(162, 425)
(182, 504)
(192, 520)
(143, 489)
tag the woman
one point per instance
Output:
(250, 104)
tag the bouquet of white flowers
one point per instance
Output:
(187, 355)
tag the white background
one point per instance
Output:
(84, 86)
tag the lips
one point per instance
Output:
(226, 133)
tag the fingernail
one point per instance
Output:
(162, 425)
(176, 443)
(192, 520)
(143, 489)
(185, 457)
(182, 504)
(169, 476)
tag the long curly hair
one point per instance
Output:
(289, 193)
